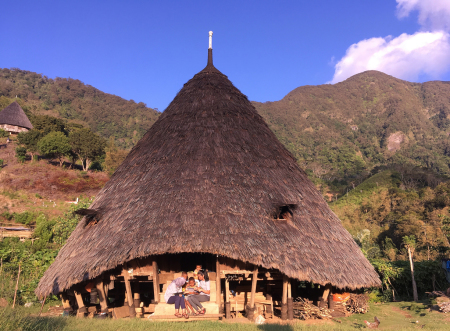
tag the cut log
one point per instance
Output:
(129, 292)
(254, 281)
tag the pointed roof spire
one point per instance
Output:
(210, 59)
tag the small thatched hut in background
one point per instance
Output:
(209, 183)
(14, 120)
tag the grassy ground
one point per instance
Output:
(393, 316)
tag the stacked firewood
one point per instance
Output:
(358, 303)
(305, 310)
(443, 301)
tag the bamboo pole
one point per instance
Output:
(155, 281)
(17, 287)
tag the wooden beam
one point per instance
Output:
(218, 289)
(81, 308)
(284, 299)
(129, 292)
(326, 292)
(254, 280)
(289, 290)
(155, 281)
(227, 300)
(102, 297)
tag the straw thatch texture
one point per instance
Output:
(14, 115)
(209, 176)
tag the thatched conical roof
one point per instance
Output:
(14, 115)
(209, 176)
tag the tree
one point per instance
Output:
(30, 140)
(87, 145)
(410, 243)
(114, 156)
(46, 124)
(55, 145)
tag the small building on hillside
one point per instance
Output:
(14, 120)
(208, 184)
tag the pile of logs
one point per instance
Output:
(358, 303)
(305, 309)
(443, 301)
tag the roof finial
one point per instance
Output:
(210, 61)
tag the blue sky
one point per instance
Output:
(147, 50)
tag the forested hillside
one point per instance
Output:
(339, 132)
(70, 99)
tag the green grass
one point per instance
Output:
(393, 316)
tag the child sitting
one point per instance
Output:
(190, 288)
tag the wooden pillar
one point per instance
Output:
(81, 308)
(66, 302)
(251, 307)
(102, 297)
(227, 299)
(155, 281)
(137, 299)
(218, 289)
(284, 299)
(326, 292)
(129, 292)
(253, 293)
(290, 302)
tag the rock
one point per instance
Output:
(28, 304)
(260, 320)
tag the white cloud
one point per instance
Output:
(433, 14)
(406, 56)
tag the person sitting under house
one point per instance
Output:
(198, 267)
(203, 292)
(189, 289)
(174, 295)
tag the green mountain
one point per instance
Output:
(341, 131)
(72, 100)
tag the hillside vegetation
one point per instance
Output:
(340, 132)
(72, 100)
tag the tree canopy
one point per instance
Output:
(55, 145)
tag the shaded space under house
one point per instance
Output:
(14, 120)
(209, 183)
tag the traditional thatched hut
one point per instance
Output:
(14, 120)
(208, 182)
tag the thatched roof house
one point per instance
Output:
(14, 120)
(210, 176)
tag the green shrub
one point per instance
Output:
(1, 163)
(21, 154)
(3, 133)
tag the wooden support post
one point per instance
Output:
(155, 281)
(81, 308)
(129, 292)
(251, 308)
(137, 299)
(284, 299)
(326, 292)
(227, 299)
(290, 302)
(66, 302)
(218, 289)
(102, 297)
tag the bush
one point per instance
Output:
(3, 133)
(21, 154)
(1, 163)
